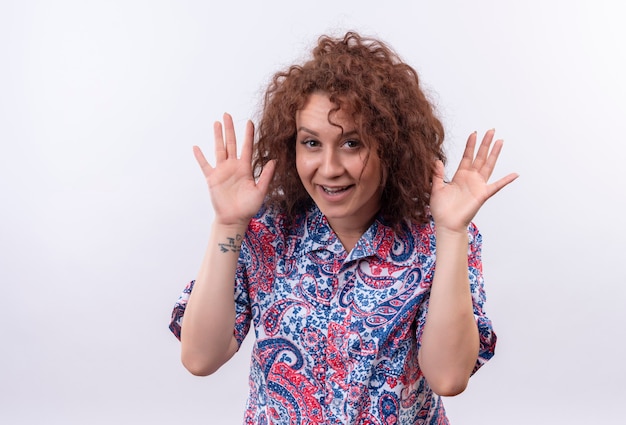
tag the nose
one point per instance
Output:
(331, 165)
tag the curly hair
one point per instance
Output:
(367, 78)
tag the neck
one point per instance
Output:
(349, 235)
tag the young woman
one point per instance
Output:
(338, 238)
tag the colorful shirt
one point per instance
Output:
(337, 333)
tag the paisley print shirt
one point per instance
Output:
(337, 333)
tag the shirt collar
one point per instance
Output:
(318, 235)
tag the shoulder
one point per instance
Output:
(267, 217)
(420, 232)
(272, 226)
(276, 221)
(423, 237)
(428, 229)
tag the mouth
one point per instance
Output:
(335, 190)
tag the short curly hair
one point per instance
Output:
(390, 110)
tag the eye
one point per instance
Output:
(352, 144)
(311, 143)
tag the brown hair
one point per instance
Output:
(366, 77)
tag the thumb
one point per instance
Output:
(439, 171)
(266, 176)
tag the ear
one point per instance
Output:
(384, 174)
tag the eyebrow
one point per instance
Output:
(316, 134)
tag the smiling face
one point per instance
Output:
(340, 172)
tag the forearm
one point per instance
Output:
(450, 340)
(207, 330)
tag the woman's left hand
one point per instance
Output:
(454, 204)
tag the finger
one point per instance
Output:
(218, 135)
(231, 140)
(248, 141)
(490, 163)
(202, 162)
(468, 153)
(483, 150)
(266, 176)
(438, 175)
(496, 186)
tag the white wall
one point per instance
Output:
(104, 215)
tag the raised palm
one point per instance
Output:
(235, 195)
(454, 204)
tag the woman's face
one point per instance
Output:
(340, 173)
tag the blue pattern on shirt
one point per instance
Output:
(337, 333)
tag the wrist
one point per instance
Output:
(451, 241)
(228, 237)
(450, 232)
(230, 223)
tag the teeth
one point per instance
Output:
(333, 190)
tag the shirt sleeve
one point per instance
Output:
(179, 310)
(243, 309)
(485, 329)
(241, 299)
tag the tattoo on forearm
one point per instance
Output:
(231, 244)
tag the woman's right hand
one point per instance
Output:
(235, 194)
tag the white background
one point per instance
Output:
(104, 215)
